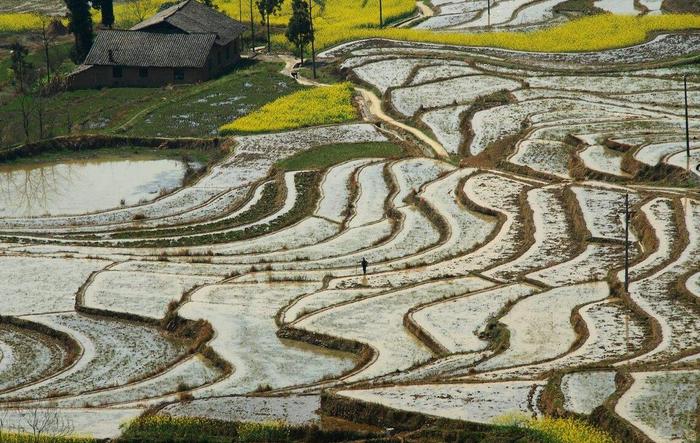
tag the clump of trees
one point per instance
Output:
(80, 24)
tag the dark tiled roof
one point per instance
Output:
(191, 17)
(150, 49)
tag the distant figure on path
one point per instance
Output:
(364, 265)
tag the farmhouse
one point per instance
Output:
(186, 43)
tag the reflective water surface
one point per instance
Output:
(84, 186)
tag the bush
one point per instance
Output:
(158, 428)
(309, 107)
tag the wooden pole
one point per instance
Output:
(488, 11)
(381, 15)
(252, 28)
(627, 244)
(687, 126)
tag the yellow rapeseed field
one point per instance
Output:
(345, 20)
(309, 107)
(592, 33)
(569, 430)
(19, 22)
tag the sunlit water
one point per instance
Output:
(80, 187)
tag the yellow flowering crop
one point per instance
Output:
(309, 107)
(15, 437)
(19, 22)
(569, 430)
(594, 33)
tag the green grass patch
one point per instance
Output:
(202, 109)
(163, 429)
(321, 157)
(182, 111)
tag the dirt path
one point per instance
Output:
(374, 106)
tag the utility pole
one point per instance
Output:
(381, 15)
(313, 38)
(252, 28)
(627, 243)
(488, 10)
(687, 126)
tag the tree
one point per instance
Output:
(19, 66)
(299, 31)
(22, 72)
(47, 39)
(81, 27)
(106, 8)
(267, 8)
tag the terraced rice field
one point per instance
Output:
(496, 264)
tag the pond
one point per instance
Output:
(78, 187)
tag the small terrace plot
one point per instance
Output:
(676, 390)
(474, 402)
(143, 294)
(114, 353)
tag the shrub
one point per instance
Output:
(159, 428)
(309, 107)
(266, 431)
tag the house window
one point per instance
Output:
(117, 72)
(179, 74)
(143, 72)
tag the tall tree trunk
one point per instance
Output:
(313, 37)
(45, 41)
(269, 43)
(301, 54)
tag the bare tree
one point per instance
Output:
(45, 422)
(47, 40)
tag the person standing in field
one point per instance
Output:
(364, 263)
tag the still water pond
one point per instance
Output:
(85, 186)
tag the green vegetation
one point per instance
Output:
(322, 157)
(59, 55)
(183, 111)
(164, 429)
(117, 153)
(15, 437)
